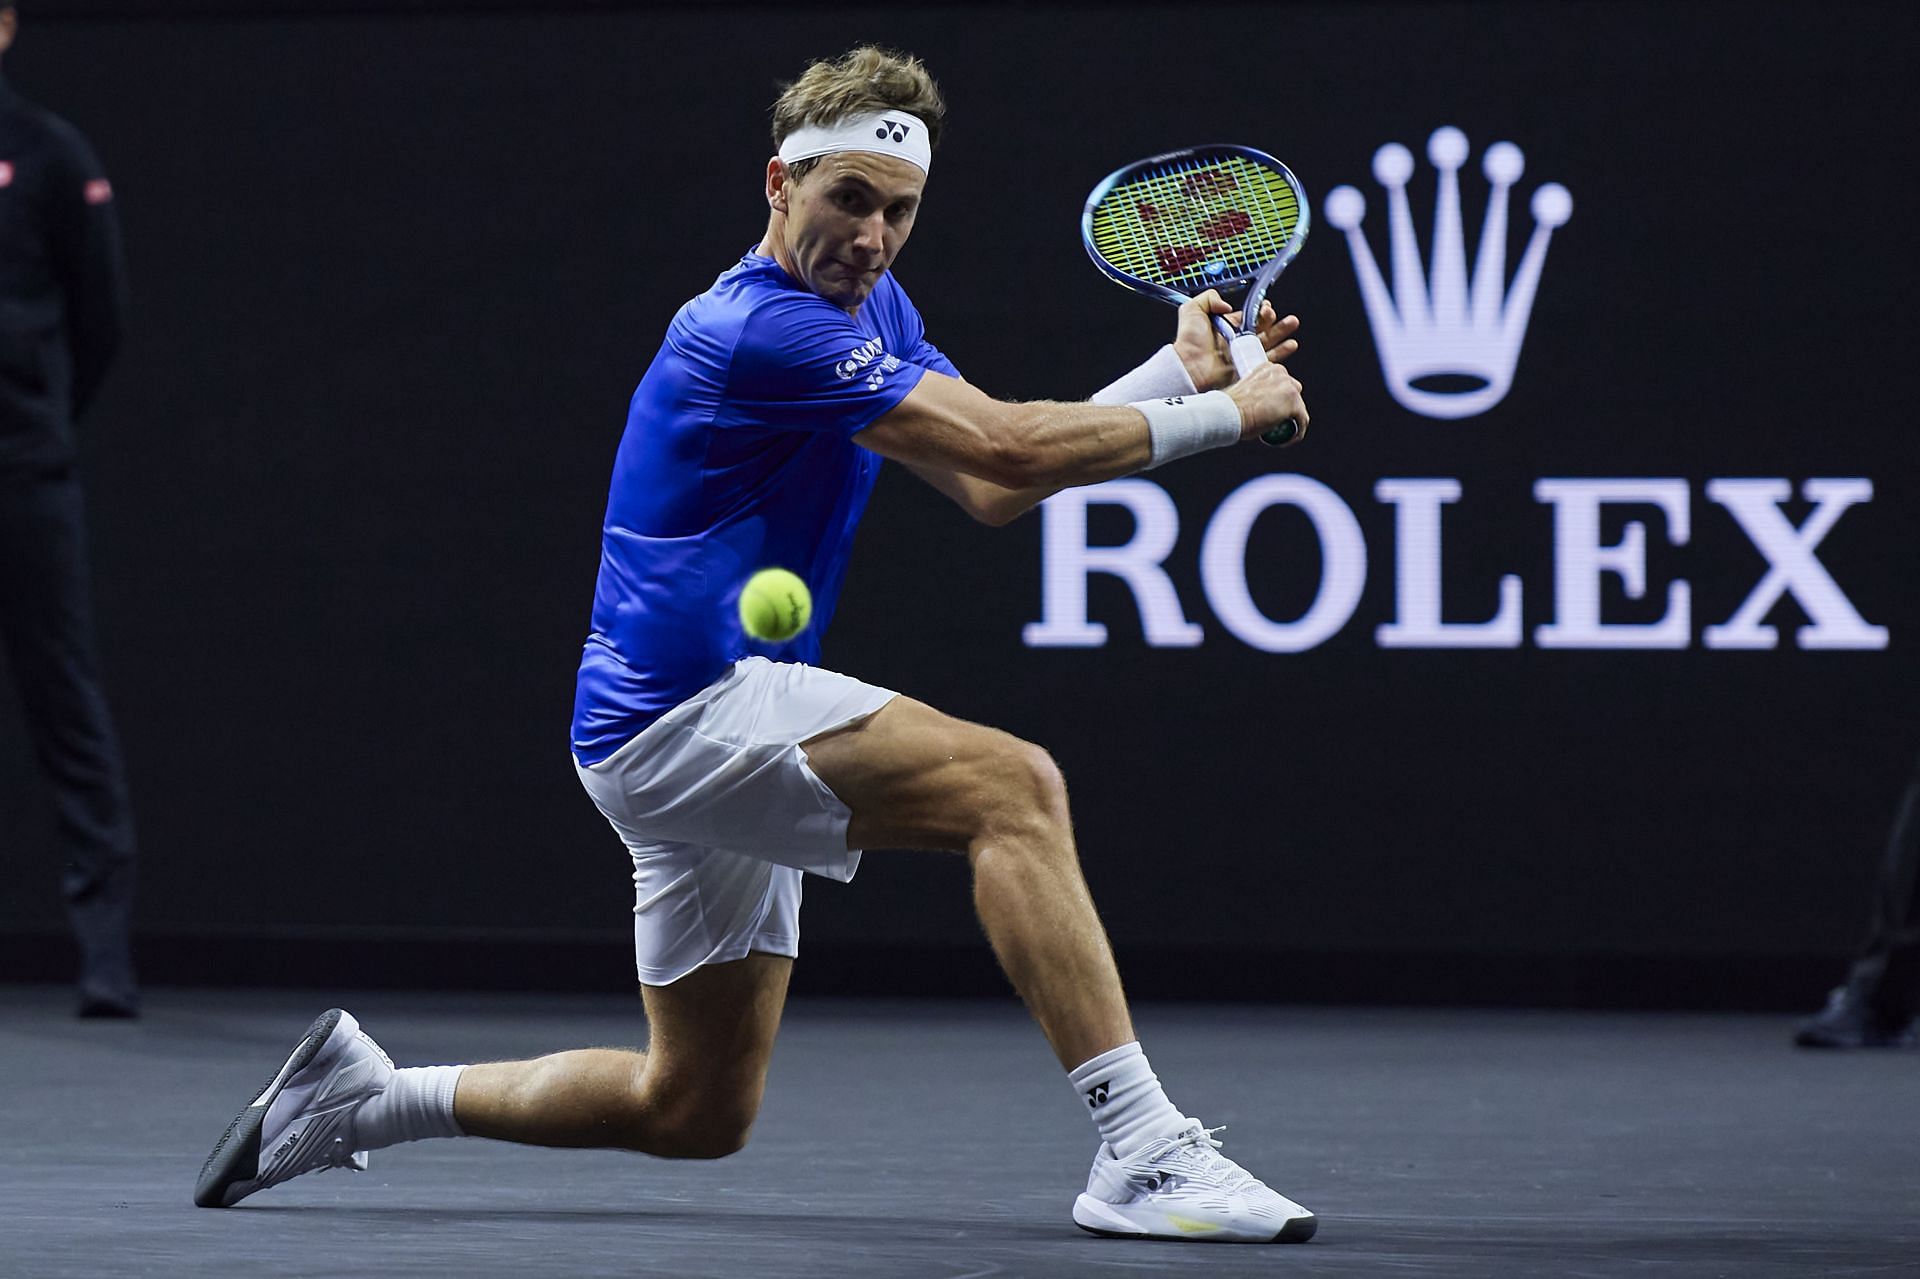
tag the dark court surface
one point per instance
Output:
(929, 1139)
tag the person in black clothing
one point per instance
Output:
(61, 306)
(1877, 1006)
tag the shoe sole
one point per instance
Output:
(235, 1159)
(1297, 1230)
(1845, 1042)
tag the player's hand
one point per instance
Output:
(1267, 397)
(1201, 348)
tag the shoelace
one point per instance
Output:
(1197, 1145)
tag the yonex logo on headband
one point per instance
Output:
(894, 133)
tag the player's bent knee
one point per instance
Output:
(707, 1137)
(1028, 788)
(700, 1126)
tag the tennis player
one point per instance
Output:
(729, 769)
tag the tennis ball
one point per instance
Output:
(775, 605)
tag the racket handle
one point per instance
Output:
(1249, 353)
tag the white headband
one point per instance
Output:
(892, 133)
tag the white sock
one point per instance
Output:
(417, 1103)
(1125, 1098)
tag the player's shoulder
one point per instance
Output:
(753, 286)
(754, 319)
(776, 313)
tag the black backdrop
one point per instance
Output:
(396, 274)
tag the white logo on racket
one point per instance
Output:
(1448, 344)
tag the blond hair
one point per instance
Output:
(868, 78)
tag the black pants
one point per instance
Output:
(46, 623)
(1886, 975)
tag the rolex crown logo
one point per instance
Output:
(1448, 345)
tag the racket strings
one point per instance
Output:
(1200, 222)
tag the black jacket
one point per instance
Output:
(62, 283)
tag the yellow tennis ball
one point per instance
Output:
(775, 605)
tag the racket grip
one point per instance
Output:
(1249, 353)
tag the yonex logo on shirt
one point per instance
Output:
(860, 357)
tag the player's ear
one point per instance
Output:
(777, 181)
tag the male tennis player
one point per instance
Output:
(753, 440)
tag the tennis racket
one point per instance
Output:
(1214, 217)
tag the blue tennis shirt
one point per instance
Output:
(737, 456)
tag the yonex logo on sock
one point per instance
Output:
(893, 129)
(1097, 1095)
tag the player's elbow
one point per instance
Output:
(999, 510)
(997, 515)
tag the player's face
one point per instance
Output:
(847, 220)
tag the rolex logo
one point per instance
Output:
(1447, 344)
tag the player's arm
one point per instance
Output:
(984, 500)
(945, 424)
(997, 459)
(1197, 359)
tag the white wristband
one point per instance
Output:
(1180, 425)
(1164, 373)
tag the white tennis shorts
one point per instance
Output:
(721, 813)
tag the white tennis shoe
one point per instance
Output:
(303, 1120)
(1182, 1188)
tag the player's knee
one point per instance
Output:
(1031, 790)
(709, 1139)
(704, 1128)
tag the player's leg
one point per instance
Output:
(916, 778)
(692, 1094)
(714, 935)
